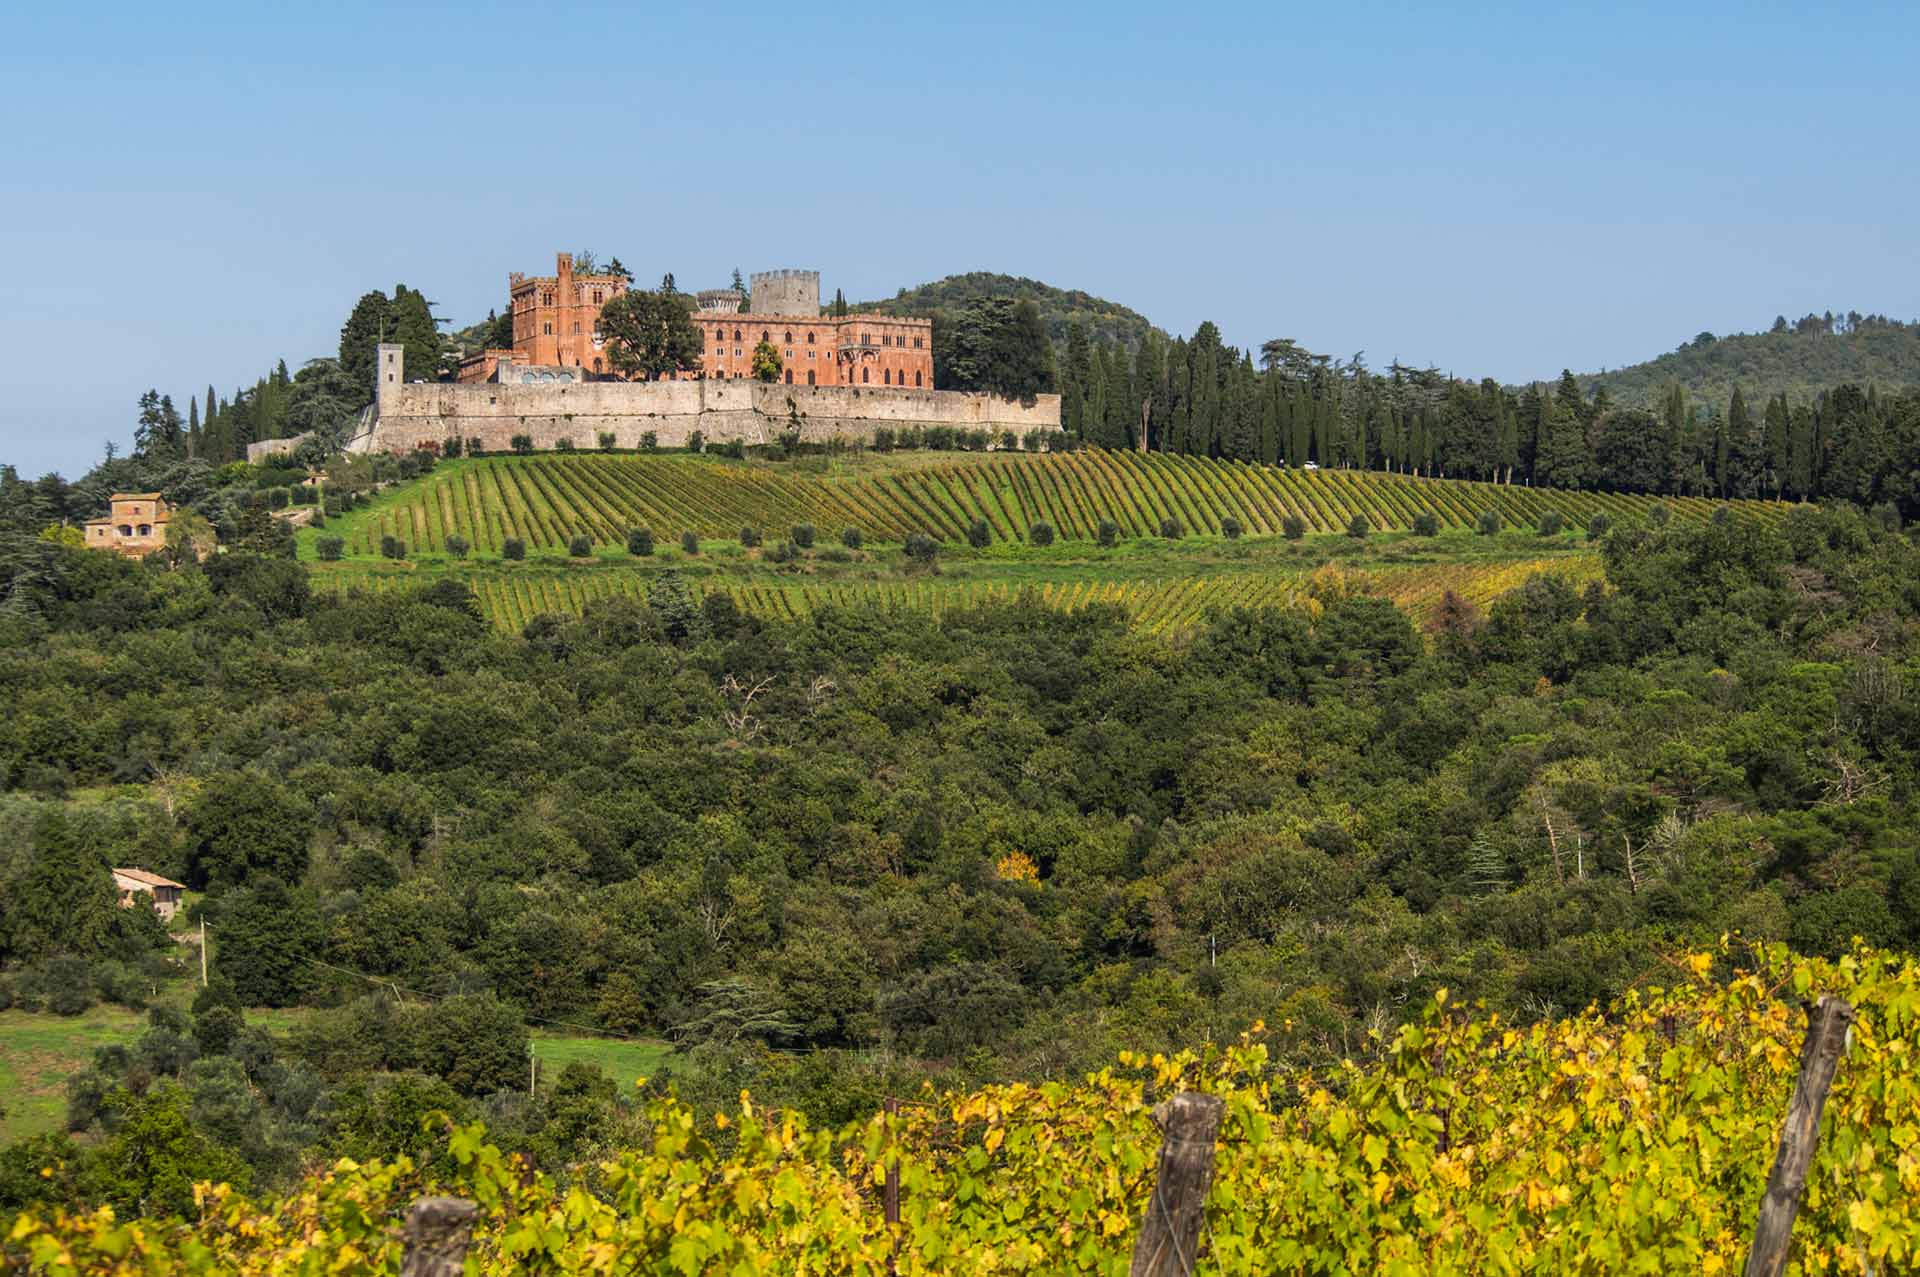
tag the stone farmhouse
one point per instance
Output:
(137, 525)
(165, 891)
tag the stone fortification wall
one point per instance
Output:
(753, 412)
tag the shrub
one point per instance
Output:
(1426, 524)
(697, 442)
(1598, 525)
(690, 541)
(749, 536)
(1009, 441)
(640, 542)
(1358, 527)
(473, 447)
(392, 548)
(1230, 528)
(277, 498)
(783, 553)
(939, 438)
(450, 447)
(1041, 533)
(1659, 516)
(979, 535)
(922, 548)
(581, 547)
(802, 535)
(1886, 517)
(1293, 527)
(1488, 523)
(457, 545)
(522, 444)
(331, 548)
(513, 548)
(1552, 523)
(883, 439)
(1172, 529)
(563, 445)
(852, 539)
(1108, 534)
(607, 440)
(649, 442)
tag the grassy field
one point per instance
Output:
(546, 500)
(39, 1051)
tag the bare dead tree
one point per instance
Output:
(741, 722)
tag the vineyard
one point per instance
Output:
(512, 595)
(1639, 1140)
(545, 501)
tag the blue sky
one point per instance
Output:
(192, 192)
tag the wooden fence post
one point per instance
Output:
(1170, 1233)
(439, 1229)
(1827, 1026)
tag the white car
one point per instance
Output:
(1310, 466)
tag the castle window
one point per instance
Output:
(866, 374)
(809, 376)
(736, 337)
(548, 332)
(916, 378)
(916, 343)
(789, 352)
(789, 376)
(576, 328)
(886, 375)
(809, 339)
(763, 334)
(596, 297)
(789, 340)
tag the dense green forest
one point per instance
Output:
(1060, 308)
(829, 858)
(1797, 360)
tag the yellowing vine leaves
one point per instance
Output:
(1635, 1141)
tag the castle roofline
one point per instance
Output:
(134, 496)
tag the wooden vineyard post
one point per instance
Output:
(1827, 1027)
(892, 1200)
(1170, 1233)
(439, 1229)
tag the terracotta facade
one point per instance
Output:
(556, 318)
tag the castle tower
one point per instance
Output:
(389, 370)
(786, 292)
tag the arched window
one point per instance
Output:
(763, 335)
(809, 339)
(126, 529)
(809, 376)
(865, 373)
(789, 376)
(916, 379)
(886, 376)
(146, 529)
(527, 379)
(736, 334)
(789, 340)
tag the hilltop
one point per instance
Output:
(1105, 321)
(1802, 361)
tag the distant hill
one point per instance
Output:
(1801, 360)
(1105, 321)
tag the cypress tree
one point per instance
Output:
(370, 324)
(1150, 387)
(1205, 356)
(1803, 464)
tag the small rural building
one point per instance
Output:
(165, 891)
(137, 526)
